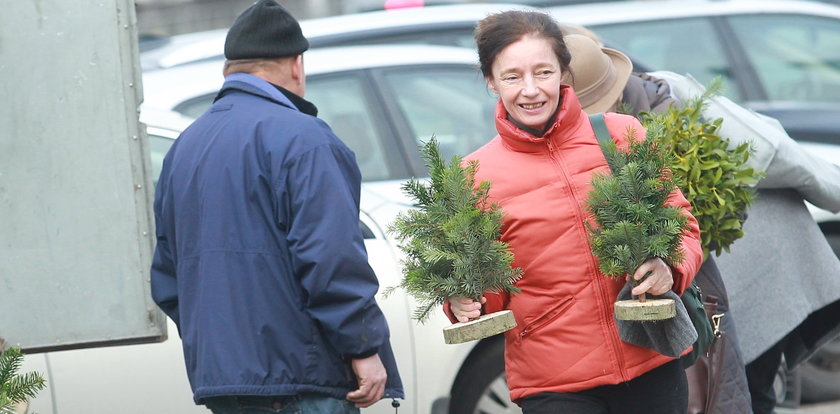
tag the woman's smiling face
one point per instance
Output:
(526, 75)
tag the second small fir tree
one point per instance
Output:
(633, 221)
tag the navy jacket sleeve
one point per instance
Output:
(163, 279)
(320, 192)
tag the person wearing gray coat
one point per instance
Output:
(782, 277)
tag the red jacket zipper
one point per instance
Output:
(600, 282)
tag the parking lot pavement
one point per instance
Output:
(822, 408)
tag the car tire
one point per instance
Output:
(787, 386)
(481, 387)
(821, 374)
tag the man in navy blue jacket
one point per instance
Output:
(259, 260)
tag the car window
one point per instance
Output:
(796, 57)
(452, 104)
(342, 104)
(680, 45)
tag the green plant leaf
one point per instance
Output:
(711, 172)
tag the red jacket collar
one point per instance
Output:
(567, 121)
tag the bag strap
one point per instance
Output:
(600, 127)
(601, 131)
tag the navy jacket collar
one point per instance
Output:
(253, 85)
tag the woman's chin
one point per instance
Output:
(535, 122)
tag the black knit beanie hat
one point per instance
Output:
(263, 31)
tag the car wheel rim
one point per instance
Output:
(780, 383)
(496, 399)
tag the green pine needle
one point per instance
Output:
(450, 239)
(632, 221)
(16, 388)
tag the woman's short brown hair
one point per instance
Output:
(497, 31)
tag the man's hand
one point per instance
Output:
(465, 309)
(660, 281)
(371, 376)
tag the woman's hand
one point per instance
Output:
(660, 281)
(465, 309)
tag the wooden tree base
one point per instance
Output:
(483, 327)
(649, 310)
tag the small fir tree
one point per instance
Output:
(451, 240)
(712, 175)
(632, 221)
(16, 388)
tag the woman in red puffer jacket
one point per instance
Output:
(565, 355)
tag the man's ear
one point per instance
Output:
(297, 69)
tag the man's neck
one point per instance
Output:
(302, 104)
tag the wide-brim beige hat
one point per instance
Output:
(598, 74)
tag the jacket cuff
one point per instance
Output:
(447, 310)
(362, 355)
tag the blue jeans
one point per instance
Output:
(295, 404)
